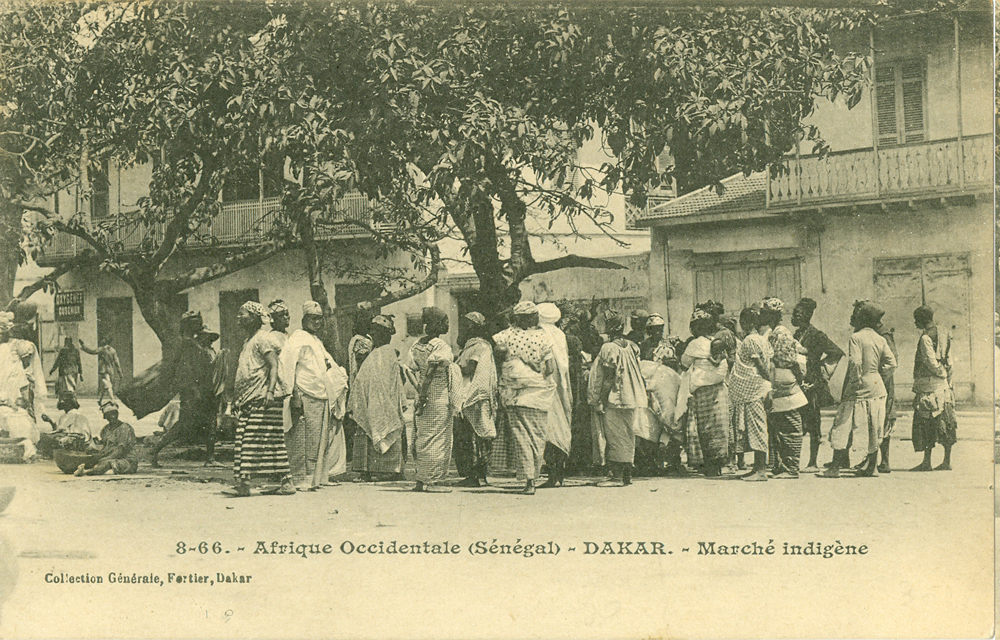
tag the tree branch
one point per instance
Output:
(412, 290)
(180, 227)
(569, 262)
(222, 268)
(84, 259)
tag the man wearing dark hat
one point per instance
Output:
(933, 400)
(821, 351)
(637, 326)
(192, 378)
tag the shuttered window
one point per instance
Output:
(899, 98)
(739, 284)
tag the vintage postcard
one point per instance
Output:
(439, 320)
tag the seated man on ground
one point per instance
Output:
(72, 432)
(118, 447)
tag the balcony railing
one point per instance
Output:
(240, 223)
(941, 167)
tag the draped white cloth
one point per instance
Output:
(557, 430)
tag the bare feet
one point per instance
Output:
(923, 466)
(756, 476)
(436, 488)
(944, 466)
(784, 475)
(80, 470)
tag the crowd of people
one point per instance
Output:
(539, 391)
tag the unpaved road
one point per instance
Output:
(928, 570)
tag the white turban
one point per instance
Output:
(548, 313)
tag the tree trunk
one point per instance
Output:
(495, 292)
(330, 335)
(10, 230)
(159, 313)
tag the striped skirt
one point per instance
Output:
(260, 443)
(708, 426)
(432, 440)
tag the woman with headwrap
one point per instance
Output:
(527, 387)
(656, 423)
(933, 400)
(475, 426)
(259, 399)
(861, 417)
(749, 384)
(430, 359)
(784, 420)
(376, 402)
(615, 393)
(280, 318)
(708, 434)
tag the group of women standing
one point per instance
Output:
(506, 400)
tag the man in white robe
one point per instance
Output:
(314, 433)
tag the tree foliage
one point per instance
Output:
(456, 120)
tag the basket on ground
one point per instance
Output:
(68, 461)
(11, 450)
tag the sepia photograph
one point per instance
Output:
(530, 320)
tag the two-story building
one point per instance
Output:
(110, 311)
(900, 212)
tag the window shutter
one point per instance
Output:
(913, 101)
(885, 99)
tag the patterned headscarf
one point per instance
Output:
(655, 320)
(613, 323)
(277, 306)
(525, 308)
(700, 314)
(310, 308)
(476, 318)
(384, 322)
(255, 309)
(773, 304)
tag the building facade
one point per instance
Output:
(900, 212)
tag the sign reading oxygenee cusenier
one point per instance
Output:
(69, 306)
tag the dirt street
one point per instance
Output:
(926, 570)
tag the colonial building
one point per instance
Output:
(900, 212)
(110, 311)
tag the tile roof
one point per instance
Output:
(739, 194)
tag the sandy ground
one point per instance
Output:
(928, 570)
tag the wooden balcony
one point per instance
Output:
(240, 223)
(932, 169)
